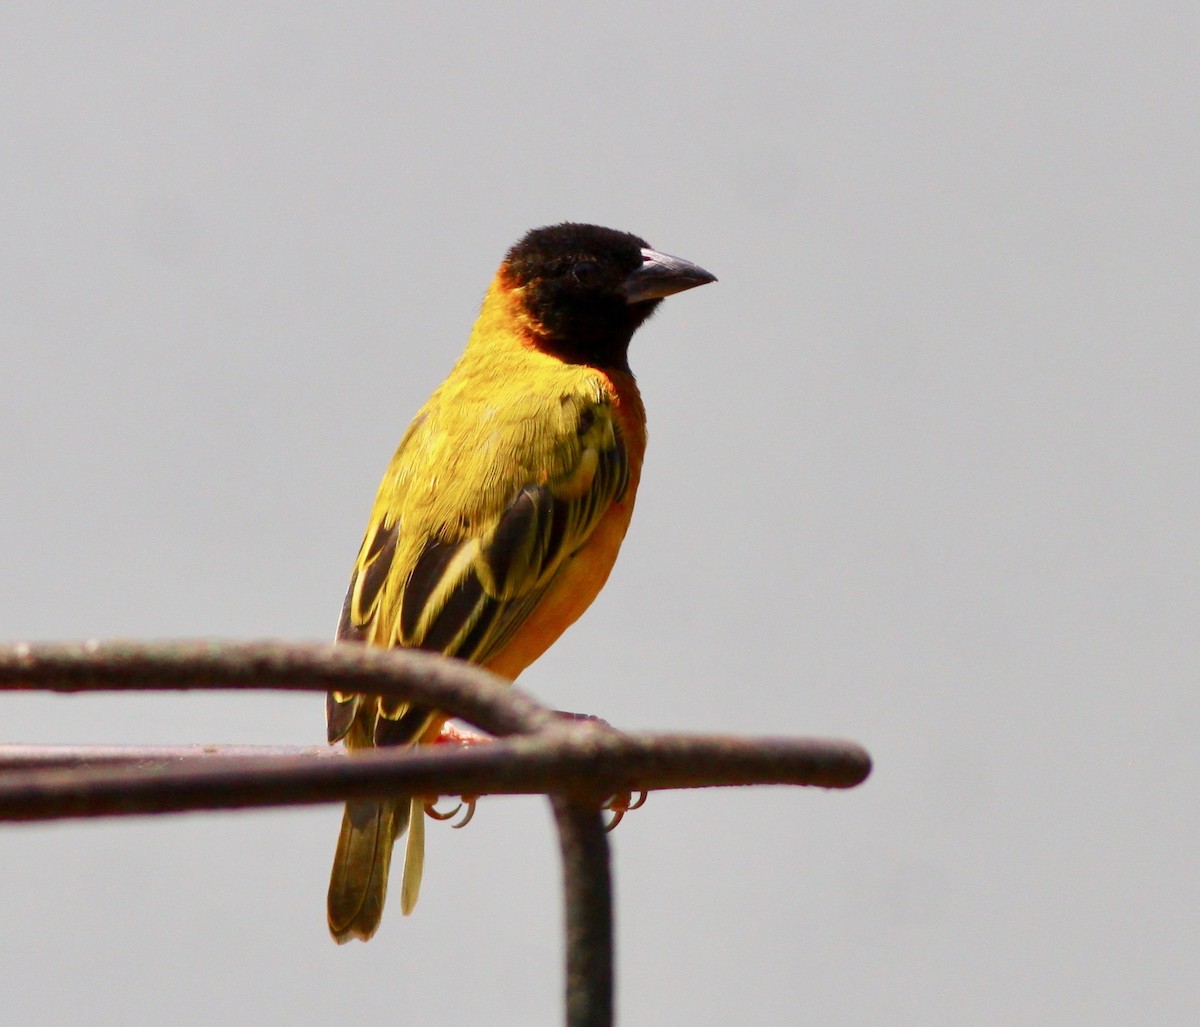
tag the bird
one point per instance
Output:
(500, 515)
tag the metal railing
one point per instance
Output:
(578, 764)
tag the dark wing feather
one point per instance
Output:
(362, 598)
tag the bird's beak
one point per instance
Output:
(662, 275)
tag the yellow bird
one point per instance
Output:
(501, 513)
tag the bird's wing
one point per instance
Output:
(461, 576)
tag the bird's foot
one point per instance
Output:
(457, 733)
(620, 804)
(469, 801)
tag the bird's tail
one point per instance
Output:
(358, 885)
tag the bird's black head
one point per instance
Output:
(587, 288)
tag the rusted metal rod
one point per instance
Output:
(463, 689)
(41, 782)
(577, 766)
(587, 885)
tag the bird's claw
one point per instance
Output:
(620, 804)
(469, 801)
(431, 810)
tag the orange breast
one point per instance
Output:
(579, 580)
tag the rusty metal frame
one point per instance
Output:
(577, 764)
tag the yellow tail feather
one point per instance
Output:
(358, 885)
(414, 858)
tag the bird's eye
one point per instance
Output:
(586, 272)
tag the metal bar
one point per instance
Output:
(587, 884)
(576, 766)
(463, 689)
(43, 783)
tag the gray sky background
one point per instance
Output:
(922, 472)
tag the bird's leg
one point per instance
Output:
(454, 732)
(457, 733)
